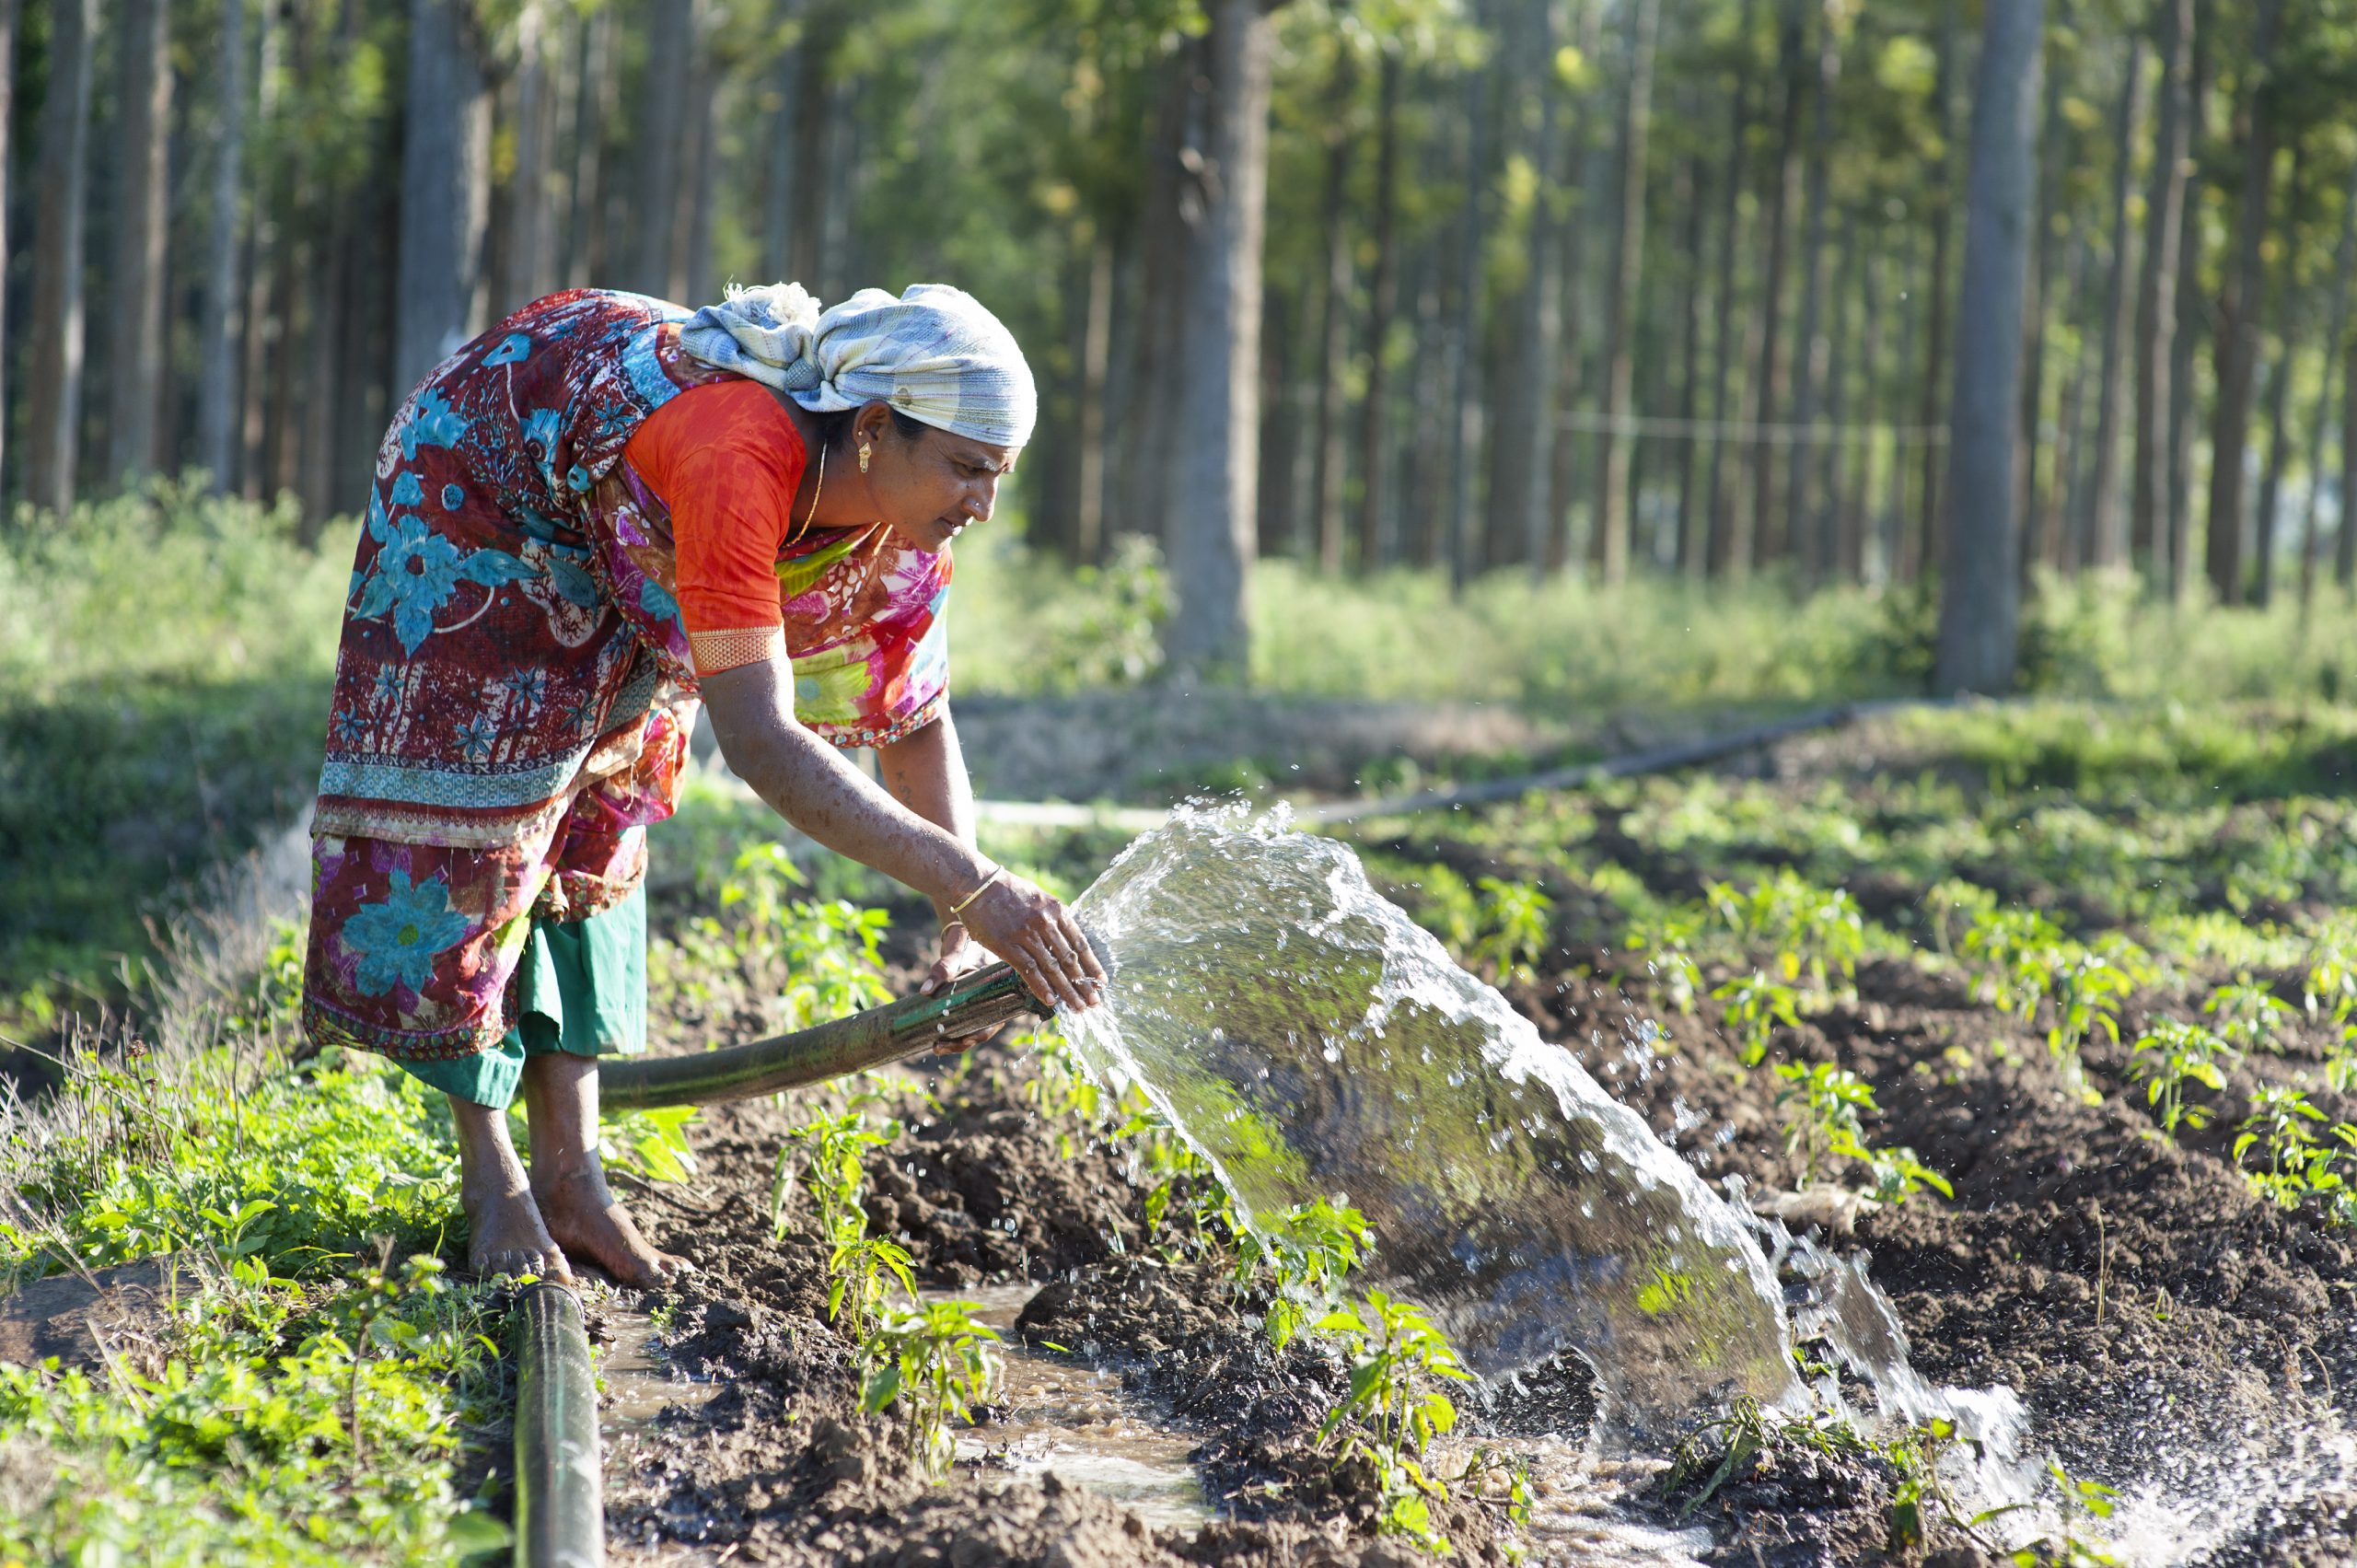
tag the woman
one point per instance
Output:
(598, 514)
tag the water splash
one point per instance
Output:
(1310, 1040)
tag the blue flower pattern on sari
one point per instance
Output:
(431, 422)
(396, 939)
(511, 350)
(476, 738)
(417, 570)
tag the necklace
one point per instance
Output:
(815, 491)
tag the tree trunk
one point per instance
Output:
(1621, 308)
(1767, 525)
(1333, 337)
(1979, 592)
(2242, 305)
(2336, 330)
(1375, 536)
(2108, 545)
(1729, 552)
(7, 111)
(1693, 543)
(531, 262)
(1218, 390)
(780, 176)
(1857, 501)
(54, 403)
(2344, 544)
(1275, 494)
(217, 390)
(2278, 389)
(1465, 432)
(1802, 497)
(1153, 357)
(2156, 291)
(261, 324)
(596, 106)
(692, 275)
(2042, 507)
(446, 192)
(663, 137)
(2188, 308)
(1831, 553)
(1925, 541)
(1522, 402)
(135, 302)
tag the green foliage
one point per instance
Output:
(2008, 951)
(652, 1142)
(825, 1157)
(820, 958)
(2300, 1163)
(1513, 925)
(934, 1363)
(2249, 1016)
(2172, 1054)
(1756, 1005)
(1308, 1249)
(1392, 1414)
(1822, 1105)
(2077, 1501)
(1809, 930)
(1025, 623)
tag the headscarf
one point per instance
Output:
(934, 353)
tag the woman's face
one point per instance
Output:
(930, 487)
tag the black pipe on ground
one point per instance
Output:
(981, 1002)
(560, 1487)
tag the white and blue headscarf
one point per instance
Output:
(934, 353)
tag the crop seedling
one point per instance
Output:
(2008, 951)
(2171, 1054)
(831, 1151)
(936, 1361)
(1809, 930)
(1956, 905)
(2299, 1165)
(2079, 1501)
(1395, 1350)
(1915, 1454)
(1825, 1103)
(1666, 944)
(2087, 989)
(1513, 925)
(1309, 1250)
(2249, 1016)
(1756, 1004)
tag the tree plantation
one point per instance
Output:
(1713, 287)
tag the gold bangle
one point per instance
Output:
(959, 907)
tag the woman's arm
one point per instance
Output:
(925, 770)
(809, 785)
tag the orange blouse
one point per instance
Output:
(725, 460)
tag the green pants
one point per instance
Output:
(580, 988)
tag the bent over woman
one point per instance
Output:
(598, 514)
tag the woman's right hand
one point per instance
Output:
(1031, 928)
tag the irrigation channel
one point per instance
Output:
(1310, 1041)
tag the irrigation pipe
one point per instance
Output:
(560, 1490)
(894, 1032)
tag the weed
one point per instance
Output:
(2171, 1054)
(935, 1361)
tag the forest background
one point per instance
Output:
(1549, 352)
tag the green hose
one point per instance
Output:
(560, 1487)
(909, 1027)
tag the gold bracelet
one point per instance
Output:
(959, 907)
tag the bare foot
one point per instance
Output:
(588, 1222)
(509, 1237)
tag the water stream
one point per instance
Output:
(1313, 1041)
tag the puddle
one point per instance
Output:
(1078, 1422)
(1577, 1516)
(640, 1382)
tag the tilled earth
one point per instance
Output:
(2171, 1334)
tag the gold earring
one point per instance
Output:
(863, 449)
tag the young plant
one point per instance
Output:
(2167, 1057)
(831, 1151)
(1821, 1123)
(935, 1361)
(1513, 926)
(2249, 1016)
(1309, 1250)
(1756, 1004)
(2299, 1163)
(1391, 1413)
(2079, 1500)
(1667, 945)
(2008, 951)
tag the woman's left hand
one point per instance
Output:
(961, 955)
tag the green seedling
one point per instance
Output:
(935, 1362)
(1309, 1251)
(1756, 1005)
(2086, 989)
(1811, 931)
(2172, 1054)
(652, 1142)
(825, 1156)
(1390, 1413)
(1822, 1123)
(1513, 926)
(2008, 951)
(1915, 1454)
(1666, 945)
(1956, 904)
(858, 1272)
(2249, 1016)
(2080, 1500)
(2300, 1162)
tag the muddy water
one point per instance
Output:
(1050, 1414)
(638, 1384)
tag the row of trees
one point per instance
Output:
(1475, 284)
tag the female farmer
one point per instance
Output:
(598, 514)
